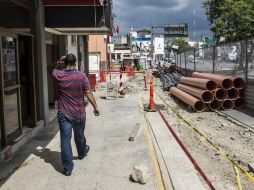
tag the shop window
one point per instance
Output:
(118, 56)
(9, 61)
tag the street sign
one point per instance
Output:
(212, 42)
(111, 48)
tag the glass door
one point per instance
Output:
(10, 88)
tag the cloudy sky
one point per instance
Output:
(146, 13)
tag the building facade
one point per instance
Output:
(98, 56)
(35, 35)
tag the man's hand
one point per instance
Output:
(61, 60)
(96, 111)
(91, 99)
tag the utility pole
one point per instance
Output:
(194, 24)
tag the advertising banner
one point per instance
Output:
(141, 45)
(158, 43)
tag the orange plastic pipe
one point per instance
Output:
(199, 83)
(204, 95)
(222, 81)
(195, 103)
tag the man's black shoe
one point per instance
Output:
(87, 148)
(66, 173)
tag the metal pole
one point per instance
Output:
(194, 59)
(185, 64)
(180, 61)
(213, 58)
(177, 60)
(246, 68)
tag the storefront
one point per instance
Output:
(17, 84)
(23, 71)
(26, 49)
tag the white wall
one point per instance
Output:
(122, 52)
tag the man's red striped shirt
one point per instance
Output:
(72, 85)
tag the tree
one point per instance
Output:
(231, 19)
(182, 44)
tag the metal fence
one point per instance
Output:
(235, 58)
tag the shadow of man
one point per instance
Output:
(51, 157)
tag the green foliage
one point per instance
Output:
(231, 19)
(181, 43)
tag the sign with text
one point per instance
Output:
(212, 42)
(111, 48)
(158, 43)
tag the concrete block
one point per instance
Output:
(135, 133)
(140, 173)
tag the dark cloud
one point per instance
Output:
(151, 3)
(146, 13)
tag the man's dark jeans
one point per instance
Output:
(66, 124)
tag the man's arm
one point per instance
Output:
(91, 99)
(55, 66)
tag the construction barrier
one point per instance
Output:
(151, 106)
(92, 81)
(121, 83)
(103, 75)
(145, 81)
(115, 74)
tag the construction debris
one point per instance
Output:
(140, 174)
(170, 80)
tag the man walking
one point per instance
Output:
(72, 87)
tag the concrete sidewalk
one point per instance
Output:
(107, 166)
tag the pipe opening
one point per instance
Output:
(199, 106)
(239, 103)
(227, 84)
(215, 105)
(239, 83)
(211, 85)
(233, 93)
(228, 105)
(207, 97)
(220, 94)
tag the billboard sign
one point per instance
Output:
(176, 30)
(158, 43)
(141, 45)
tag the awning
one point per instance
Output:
(77, 31)
(74, 2)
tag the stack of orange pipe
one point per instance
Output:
(211, 90)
